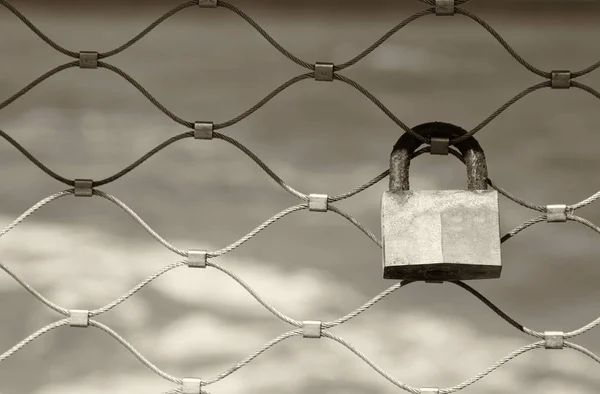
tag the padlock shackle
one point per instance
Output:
(407, 144)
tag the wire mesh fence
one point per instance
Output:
(322, 72)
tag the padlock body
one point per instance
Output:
(441, 235)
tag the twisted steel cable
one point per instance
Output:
(304, 198)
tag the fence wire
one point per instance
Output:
(194, 258)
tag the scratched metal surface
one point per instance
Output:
(320, 138)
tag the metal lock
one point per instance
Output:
(440, 235)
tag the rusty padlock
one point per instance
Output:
(440, 235)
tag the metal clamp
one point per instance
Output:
(311, 329)
(83, 187)
(79, 318)
(191, 386)
(323, 71)
(88, 59)
(440, 146)
(444, 7)
(433, 390)
(556, 213)
(561, 79)
(203, 130)
(317, 202)
(207, 3)
(196, 258)
(554, 339)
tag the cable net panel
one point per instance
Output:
(189, 259)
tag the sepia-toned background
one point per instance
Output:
(318, 137)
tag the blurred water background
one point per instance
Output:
(320, 138)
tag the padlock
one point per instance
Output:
(440, 235)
